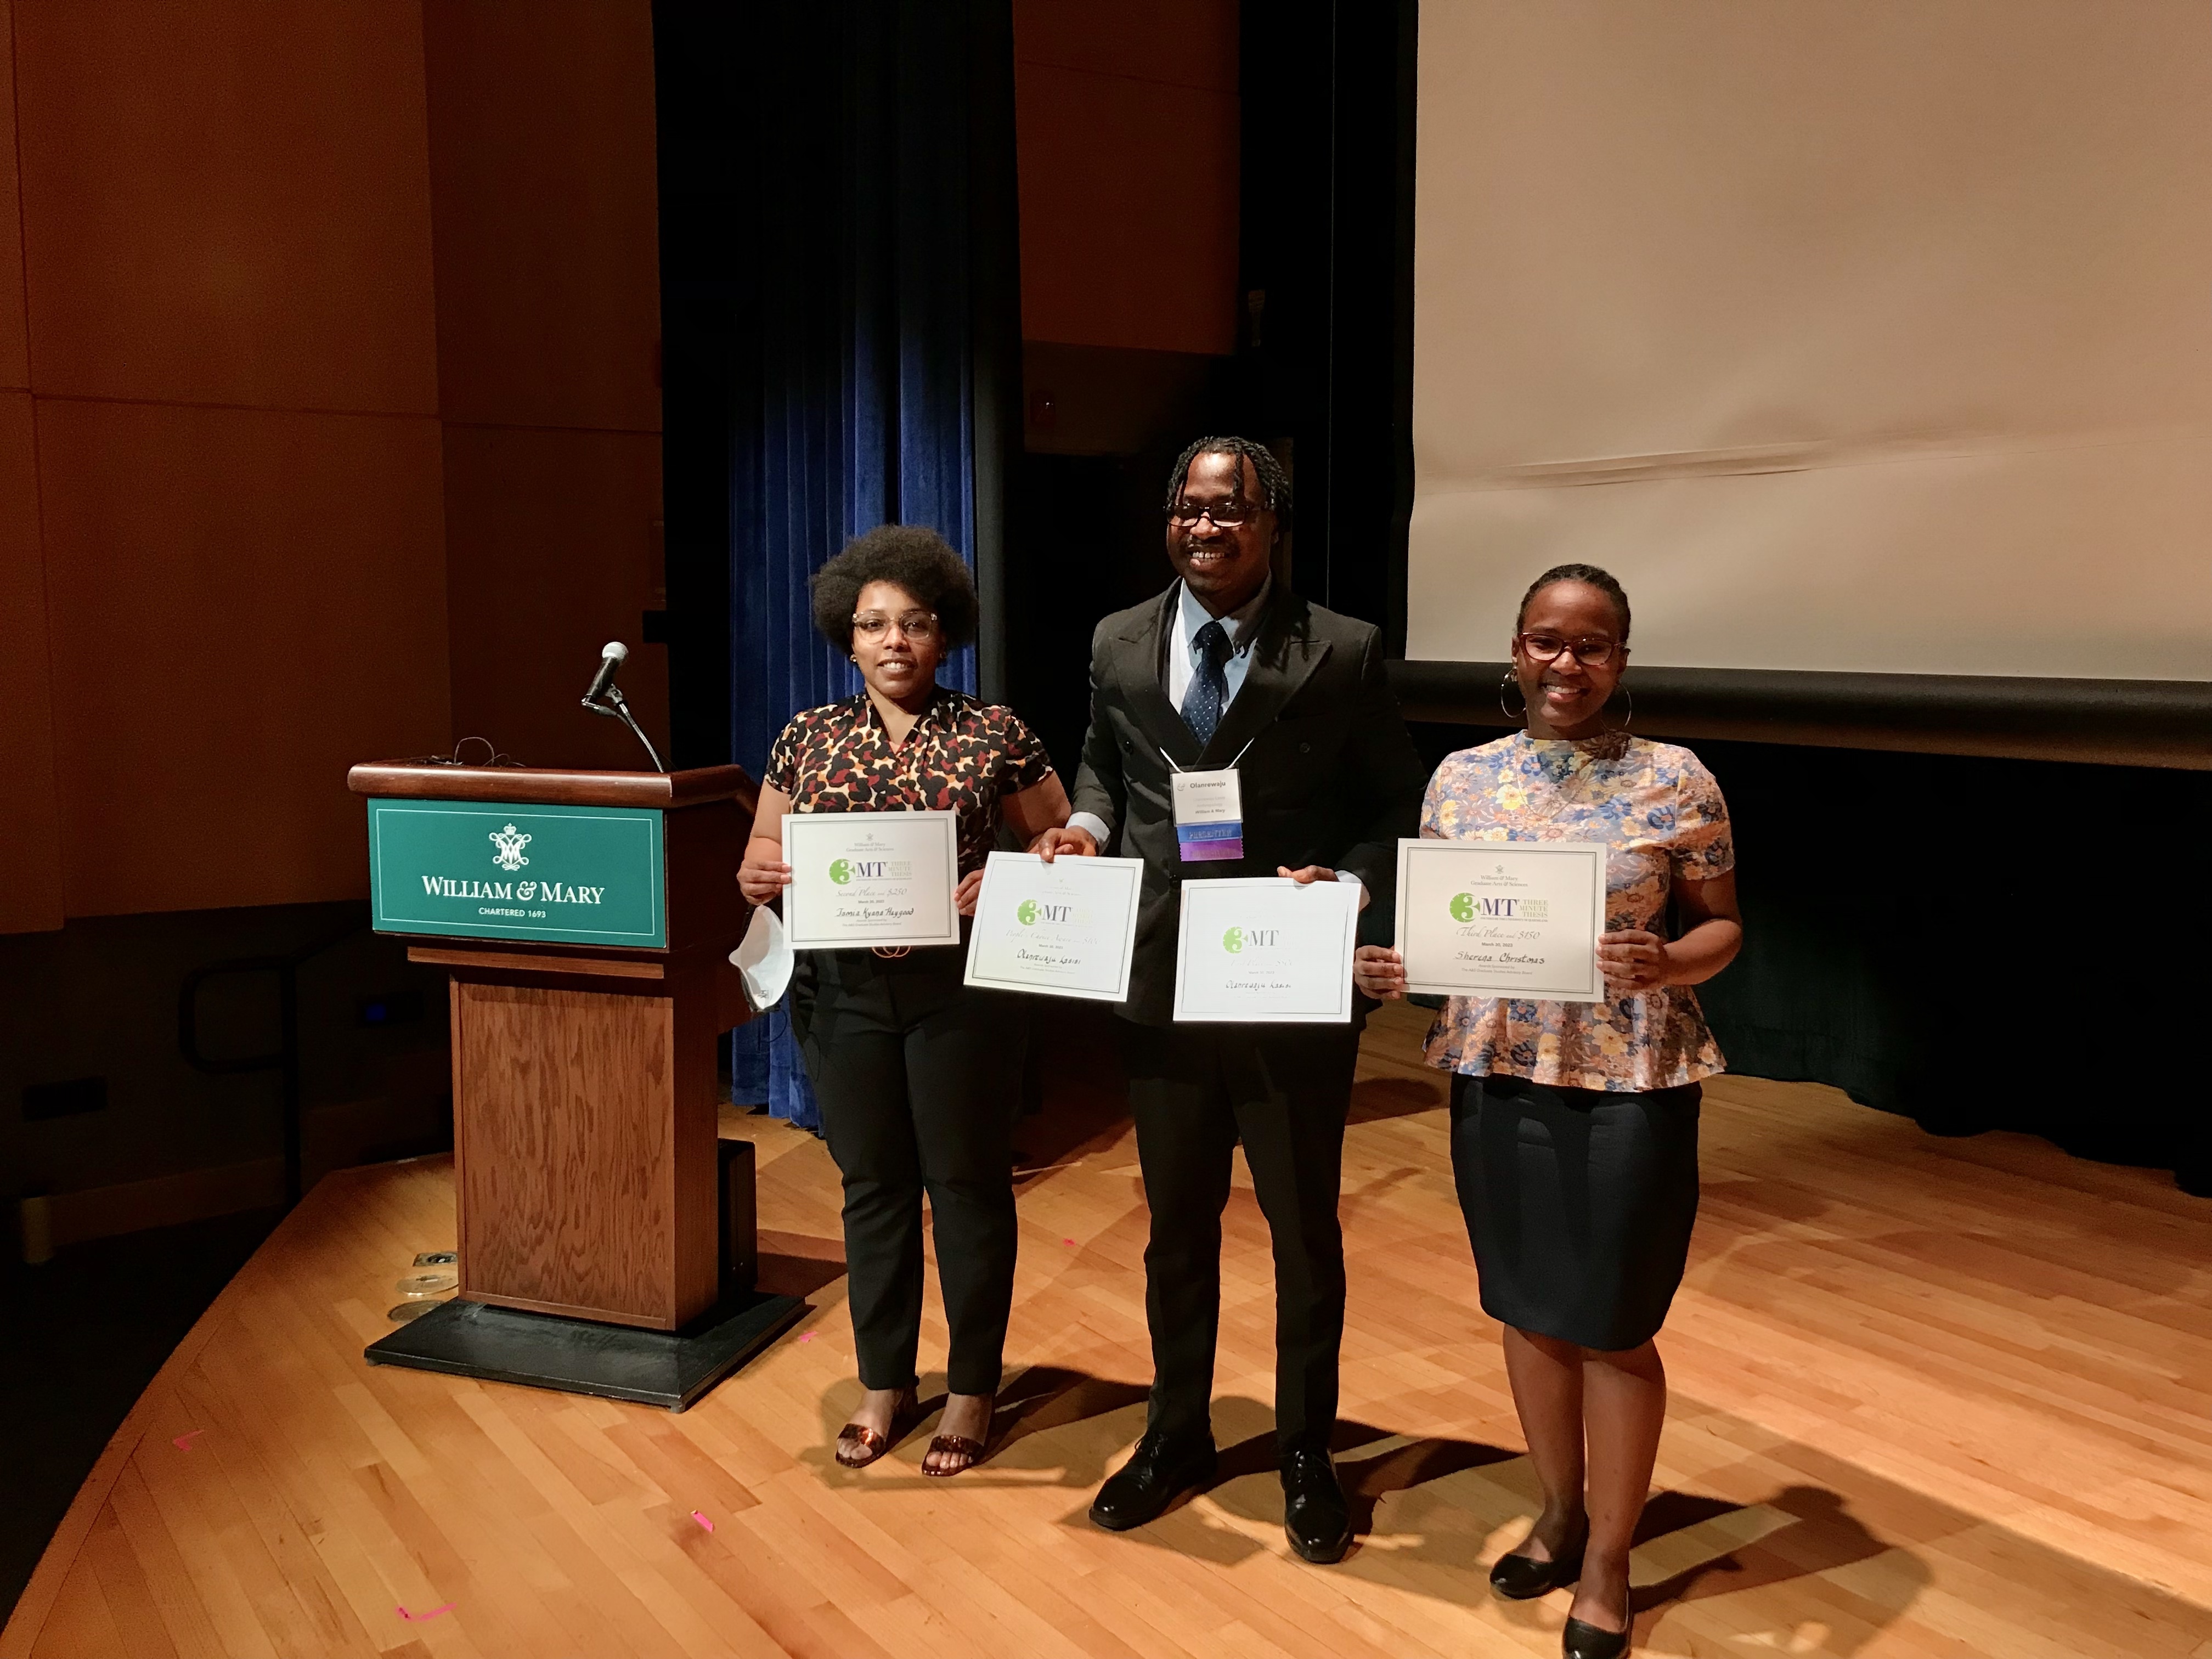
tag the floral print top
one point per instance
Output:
(961, 755)
(1661, 813)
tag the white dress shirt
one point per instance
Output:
(1243, 626)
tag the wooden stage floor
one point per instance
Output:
(1930, 1398)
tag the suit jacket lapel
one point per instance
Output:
(1284, 655)
(1141, 664)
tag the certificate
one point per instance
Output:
(1267, 950)
(1502, 918)
(1064, 929)
(862, 879)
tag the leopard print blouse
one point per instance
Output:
(961, 756)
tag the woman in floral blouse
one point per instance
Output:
(919, 1077)
(1574, 1124)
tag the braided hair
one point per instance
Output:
(1274, 482)
(1589, 575)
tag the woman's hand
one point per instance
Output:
(1379, 971)
(1064, 840)
(764, 875)
(964, 896)
(1634, 960)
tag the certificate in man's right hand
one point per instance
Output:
(1068, 928)
(1502, 918)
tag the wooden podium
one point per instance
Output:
(584, 919)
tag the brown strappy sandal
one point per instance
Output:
(859, 1446)
(953, 1445)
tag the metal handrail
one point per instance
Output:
(286, 1059)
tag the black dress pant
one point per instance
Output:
(1283, 1091)
(919, 1079)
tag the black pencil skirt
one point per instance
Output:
(1579, 1203)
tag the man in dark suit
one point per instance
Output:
(1230, 668)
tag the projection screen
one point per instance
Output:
(1871, 337)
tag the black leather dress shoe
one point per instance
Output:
(1315, 1518)
(1520, 1578)
(1580, 1641)
(1159, 1471)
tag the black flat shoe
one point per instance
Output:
(1580, 1641)
(1315, 1518)
(1143, 1489)
(1522, 1578)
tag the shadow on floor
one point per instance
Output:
(793, 1264)
(1376, 1098)
(1077, 1046)
(84, 1335)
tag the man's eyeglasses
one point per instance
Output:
(1226, 515)
(915, 624)
(1547, 647)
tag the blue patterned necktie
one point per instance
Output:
(1209, 685)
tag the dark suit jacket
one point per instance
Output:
(1331, 777)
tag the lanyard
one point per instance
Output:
(1209, 809)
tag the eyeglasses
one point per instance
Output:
(1547, 647)
(1227, 515)
(915, 624)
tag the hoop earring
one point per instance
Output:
(1512, 719)
(1630, 720)
(853, 658)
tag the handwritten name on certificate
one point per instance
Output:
(1502, 918)
(864, 878)
(1063, 929)
(1267, 950)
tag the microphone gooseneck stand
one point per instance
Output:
(620, 711)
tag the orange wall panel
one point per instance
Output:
(541, 158)
(227, 200)
(549, 541)
(14, 343)
(242, 604)
(1129, 211)
(30, 822)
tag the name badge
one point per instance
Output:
(1209, 815)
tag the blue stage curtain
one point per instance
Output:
(834, 139)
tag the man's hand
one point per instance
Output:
(1314, 872)
(1380, 971)
(1633, 960)
(1066, 839)
(964, 896)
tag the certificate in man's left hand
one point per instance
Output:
(870, 879)
(1267, 950)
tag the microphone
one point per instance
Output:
(610, 659)
(614, 706)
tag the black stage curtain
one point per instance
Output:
(1976, 944)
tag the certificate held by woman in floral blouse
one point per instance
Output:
(882, 879)
(1502, 919)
